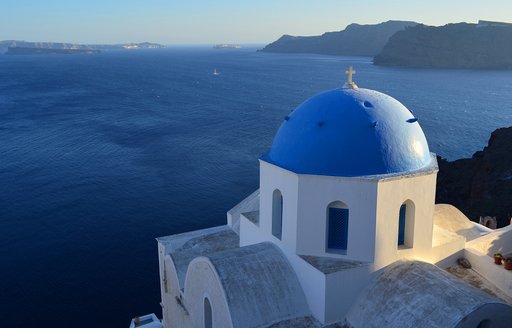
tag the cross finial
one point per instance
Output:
(350, 73)
(350, 84)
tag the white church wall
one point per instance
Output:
(392, 193)
(342, 289)
(169, 288)
(315, 195)
(447, 246)
(312, 282)
(173, 314)
(272, 178)
(250, 233)
(202, 282)
(497, 241)
(450, 260)
(161, 270)
(443, 255)
(249, 204)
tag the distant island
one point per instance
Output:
(355, 40)
(45, 51)
(486, 45)
(227, 46)
(141, 45)
(14, 47)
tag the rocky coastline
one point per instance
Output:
(480, 185)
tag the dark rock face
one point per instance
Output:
(451, 46)
(481, 185)
(355, 40)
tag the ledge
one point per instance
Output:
(253, 216)
(329, 265)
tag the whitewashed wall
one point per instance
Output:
(202, 281)
(342, 289)
(272, 178)
(173, 314)
(315, 195)
(392, 193)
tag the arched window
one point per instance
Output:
(406, 225)
(208, 323)
(401, 224)
(337, 226)
(277, 214)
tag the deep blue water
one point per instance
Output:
(99, 155)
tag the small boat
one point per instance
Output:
(146, 321)
(227, 46)
(215, 72)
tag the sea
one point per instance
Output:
(101, 154)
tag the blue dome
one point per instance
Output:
(350, 132)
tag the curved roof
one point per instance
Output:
(261, 287)
(350, 132)
(418, 294)
(450, 218)
(188, 246)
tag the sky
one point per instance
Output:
(221, 21)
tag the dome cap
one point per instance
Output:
(350, 131)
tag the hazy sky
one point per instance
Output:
(221, 21)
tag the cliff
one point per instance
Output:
(481, 185)
(355, 40)
(451, 46)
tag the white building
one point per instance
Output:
(342, 231)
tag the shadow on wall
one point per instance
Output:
(501, 243)
(498, 241)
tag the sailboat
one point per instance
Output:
(215, 72)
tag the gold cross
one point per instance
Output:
(350, 73)
(350, 84)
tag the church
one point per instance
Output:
(342, 232)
